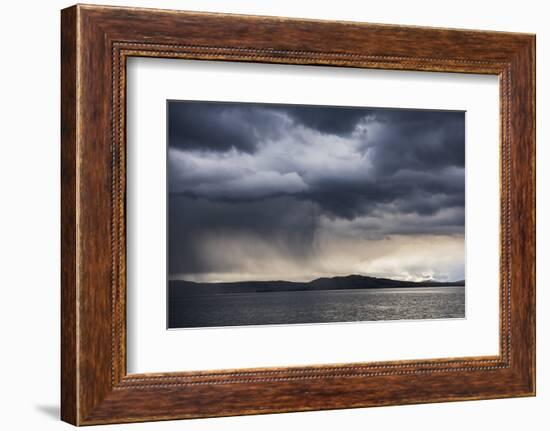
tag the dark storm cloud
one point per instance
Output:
(353, 199)
(417, 140)
(422, 192)
(332, 120)
(220, 127)
(270, 174)
(376, 226)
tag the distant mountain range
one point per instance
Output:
(182, 287)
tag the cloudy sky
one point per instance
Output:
(292, 192)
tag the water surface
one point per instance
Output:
(325, 306)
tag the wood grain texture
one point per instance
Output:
(69, 366)
(96, 41)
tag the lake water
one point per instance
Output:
(324, 306)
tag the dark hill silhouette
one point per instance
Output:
(182, 287)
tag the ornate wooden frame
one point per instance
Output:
(95, 42)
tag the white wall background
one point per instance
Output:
(29, 215)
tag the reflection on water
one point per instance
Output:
(354, 305)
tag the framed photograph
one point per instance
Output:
(277, 212)
(264, 214)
